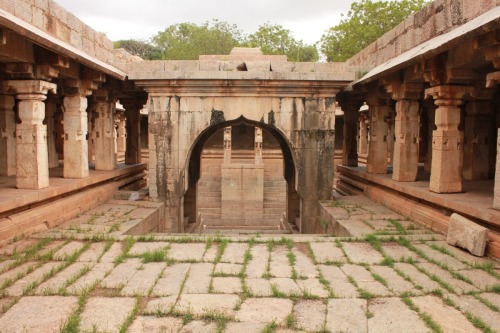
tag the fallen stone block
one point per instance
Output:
(466, 234)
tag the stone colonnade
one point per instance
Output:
(28, 144)
(439, 105)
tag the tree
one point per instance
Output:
(366, 21)
(139, 48)
(187, 41)
(274, 39)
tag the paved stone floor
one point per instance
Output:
(396, 277)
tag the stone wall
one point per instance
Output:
(438, 17)
(53, 19)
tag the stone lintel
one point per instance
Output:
(466, 234)
(492, 79)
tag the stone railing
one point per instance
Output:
(436, 18)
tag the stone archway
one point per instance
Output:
(241, 187)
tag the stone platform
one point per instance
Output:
(395, 277)
(414, 199)
(27, 211)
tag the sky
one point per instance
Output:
(141, 19)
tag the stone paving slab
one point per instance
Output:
(248, 327)
(327, 252)
(171, 280)
(226, 285)
(480, 278)
(96, 274)
(187, 252)
(202, 304)
(234, 253)
(143, 280)
(149, 324)
(199, 326)
(384, 320)
(449, 261)
(312, 287)
(264, 310)
(419, 279)
(106, 314)
(38, 314)
(394, 281)
(68, 250)
(346, 315)
(140, 248)
(93, 253)
(6, 264)
(211, 253)
(280, 265)
(364, 280)
(472, 305)
(113, 252)
(259, 287)
(160, 305)
(17, 272)
(18, 288)
(399, 252)
(257, 265)
(338, 281)
(309, 315)
(362, 253)
(121, 274)
(199, 278)
(304, 267)
(230, 269)
(449, 319)
(58, 282)
(446, 276)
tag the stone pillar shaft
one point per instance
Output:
(104, 139)
(350, 155)
(476, 146)
(50, 111)
(227, 145)
(76, 164)
(407, 125)
(7, 136)
(32, 169)
(377, 151)
(258, 146)
(447, 139)
(133, 135)
(121, 140)
(496, 191)
(363, 135)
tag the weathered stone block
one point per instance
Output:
(466, 234)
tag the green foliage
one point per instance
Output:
(274, 39)
(187, 41)
(142, 48)
(366, 21)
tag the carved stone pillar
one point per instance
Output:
(50, 112)
(7, 136)
(406, 129)
(133, 127)
(121, 134)
(496, 191)
(447, 139)
(431, 119)
(390, 136)
(377, 150)
(258, 146)
(76, 149)
(350, 106)
(476, 143)
(227, 145)
(363, 134)
(32, 168)
(104, 130)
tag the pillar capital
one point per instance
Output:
(404, 90)
(75, 87)
(449, 94)
(30, 89)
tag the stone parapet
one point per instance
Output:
(437, 18)
(53, 19)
